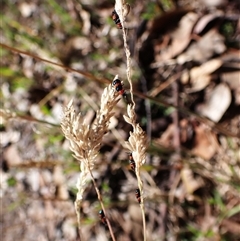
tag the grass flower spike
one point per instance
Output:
(137, 144)
(85, 140)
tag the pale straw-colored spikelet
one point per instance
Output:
(77, 132)
(85, 140)
(137, 143)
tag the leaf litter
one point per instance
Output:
(192, 184)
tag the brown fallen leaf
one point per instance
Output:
(205, 20)
(186, 132)
(180, 37)
(219, 101)
(12, 155)
(233, 80)
(231, 226)
(210, 44)
(205, 142)
(200, 76)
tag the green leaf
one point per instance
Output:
(11, 182)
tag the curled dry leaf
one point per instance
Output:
(210, 44)
(180, 37)
(205, 20)
(206, 68)
(200, 76)
(218, 103)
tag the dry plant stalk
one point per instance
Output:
(137, 142)
(85, 142)
(122, 8)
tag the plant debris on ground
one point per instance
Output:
(186, 84)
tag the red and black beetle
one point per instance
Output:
(132, 162)
(102, 217)
(117, 84)
(138, 195)
(116, 19)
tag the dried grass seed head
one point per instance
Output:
(76, 131)
(131, 118)
(82, 181)
(137, 141)
(85, 140)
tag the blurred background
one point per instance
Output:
(186, 80)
